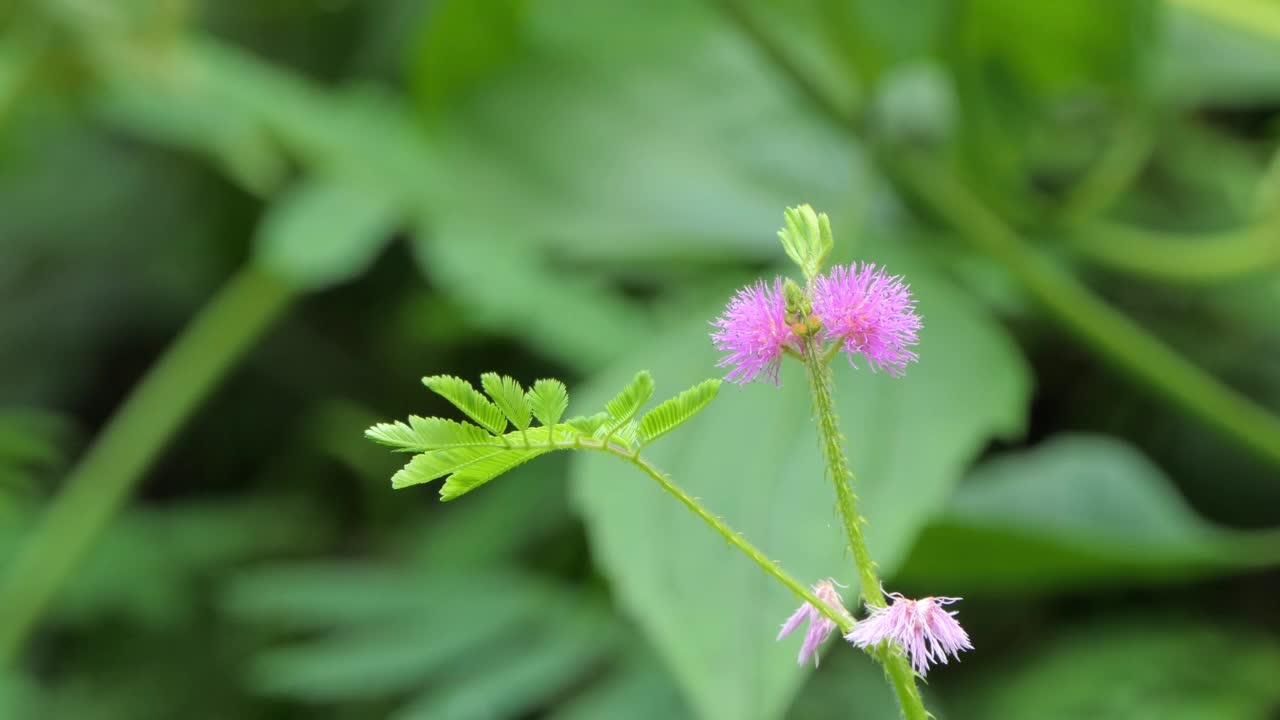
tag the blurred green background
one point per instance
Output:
(235, 233)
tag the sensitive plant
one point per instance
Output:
(923, 628)
(859, 310)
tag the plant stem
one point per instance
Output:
(99, 484)
(903, 679)
(819, 373)
(842, 619)
(896, 669)
(1200, 260)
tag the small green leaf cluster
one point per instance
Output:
(471, 454)
(806, 238)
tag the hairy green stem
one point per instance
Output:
(819, 372)
(817, 366)
(99, 484)
(842, 620)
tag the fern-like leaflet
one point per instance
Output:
(471, 454)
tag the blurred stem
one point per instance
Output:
(1115, 171)
(1120, 340)
(99, 484)
(1200, 259)
(1252, 16)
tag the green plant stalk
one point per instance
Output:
(1112, 335)
(819, 373)
(817, 366)
(1200, 260)
(842, 619)
(100, 483)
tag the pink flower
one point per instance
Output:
(753, 331)
(820, 626)
(870, 312)
(926, 631)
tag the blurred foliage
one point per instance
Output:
(1083, 196)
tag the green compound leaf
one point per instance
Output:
(548, 399)
(485, 469)
(424, 434)
(436, 464)
(509, 396)
(627, 403)
(675, 412)
(468, 400)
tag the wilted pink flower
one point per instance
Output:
(926, 631)
(870, 313)
(820, 626)
(753, 331)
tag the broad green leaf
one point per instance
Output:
(715, 146)
(1073, 512)
(1139, 668)
(436, 464)
(423, 434)
(468, 400)
(715, 143)
(753, 459)
(508, 395)
(629, 400)
(549, 399)
(477, 473)
(325, 231)
(673, 413)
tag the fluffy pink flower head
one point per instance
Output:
(924, 629)
(870, 312)
(820, 626)
(753, 332)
